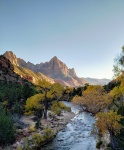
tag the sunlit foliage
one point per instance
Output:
(93, 99)
(33, 103)
(109, 122)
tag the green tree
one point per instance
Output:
(110, 122)
(117, 94)
(28, 90)
(54, 92)
(119, 63)
(7, 130)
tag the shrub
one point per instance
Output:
(48, 133)
(109, 146)
(52, 116)
(40, 139)
(58, 106)
(26, 144)
(37, 139)
(99, 143)
(37, 124)
(31, 128)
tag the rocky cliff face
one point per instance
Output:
(12, 57)
(72, 72)
(55, 69)
(7, 71)
(21, 68)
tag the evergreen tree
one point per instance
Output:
(7, 130)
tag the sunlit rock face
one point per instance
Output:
(54, 69)
(12, 57)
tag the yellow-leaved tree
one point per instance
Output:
(109, 122)
(40, 103)
(33, 104)
(93, 99)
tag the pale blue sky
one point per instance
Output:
(84, 34)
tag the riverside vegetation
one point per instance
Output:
(18, 100)
(106, 103)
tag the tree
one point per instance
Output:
(117, 95)
(56, 91)
(33, 104)
(46, 102)
(93, 99)
(40, 103)
(7, 130)
(28, 90)
(119, 64)
(109, 122)
(52, 93)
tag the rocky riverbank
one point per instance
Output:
(29, 137)
(77, 135)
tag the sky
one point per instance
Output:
(84, 34)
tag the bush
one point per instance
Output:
(58, 106)
(48, 133)
(31, 128)
(52, 116)
(7, 130)
(37, 124)
(64, 107)
(39, 140)
(99, 143)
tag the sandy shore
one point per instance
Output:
(60, 122)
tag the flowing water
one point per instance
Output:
(77, 134)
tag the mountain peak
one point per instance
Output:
(9, 53)
(55, 58)
(12, 57)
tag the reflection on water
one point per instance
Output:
(77, 134)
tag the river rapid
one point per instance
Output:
(77, 134)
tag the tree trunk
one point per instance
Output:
(45, 113)
(45, 105)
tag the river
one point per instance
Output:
(77, 134)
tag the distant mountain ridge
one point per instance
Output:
(95, 81)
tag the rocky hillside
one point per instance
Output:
(36, 78)
(55, 69)
(25, 71)
(7, 71)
